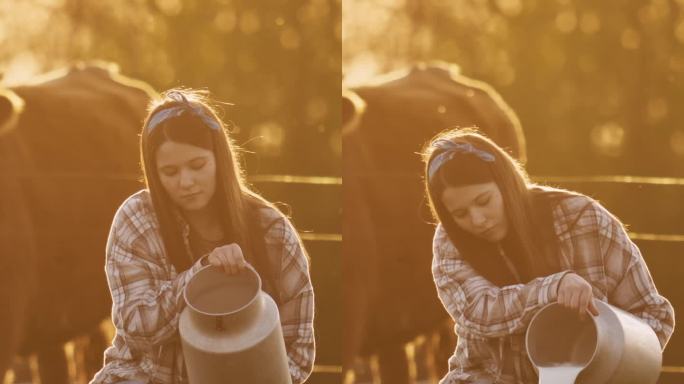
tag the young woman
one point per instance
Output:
(195, 211)
(505, 247)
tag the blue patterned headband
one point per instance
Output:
(184, 107)
(450, 149)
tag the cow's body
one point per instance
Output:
(68, 158)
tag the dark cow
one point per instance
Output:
(389, 294)
(68, 157)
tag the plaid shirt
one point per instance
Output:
(491, 321)
(147, 295)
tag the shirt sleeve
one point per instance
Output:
(296, 299)
(629, 282)
(480, 307)
(146, 303)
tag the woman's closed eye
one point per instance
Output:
(169, 171)
(198, 164)
(483, 201)
(459, 214)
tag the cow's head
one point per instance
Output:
(404, 109)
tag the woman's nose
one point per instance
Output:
(477, 218)
(186, 179)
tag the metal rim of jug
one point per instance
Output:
(203, 270)
(539, 313)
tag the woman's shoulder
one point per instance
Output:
(139, 199)
(440, 233)
(271, 220)
(139, 204)
(573, 209)
(269, 213)
(266, 213)
(441, 243)
(276, 228)
(136, 213)
(562, 200)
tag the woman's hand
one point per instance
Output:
(229, 258)
(575, 293)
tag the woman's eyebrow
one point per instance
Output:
(201, 157)
(481, 195)
(453, 212)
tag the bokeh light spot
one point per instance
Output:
(510, 8)
(679, 31)
(590, 23)
(654, 12)
(313, 11)
(289, 39)
(677, 142)
(566, 21)
(630, 39)
(21, 68)
(608, 139)
(360, 69)
(51, 3)
(170, 7)
(657, 110)
(270, 137)
(316, 110)
(225, 21)
(250, 22)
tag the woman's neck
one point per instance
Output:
(205, 222)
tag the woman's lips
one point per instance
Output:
(487, 231)
(190, 196)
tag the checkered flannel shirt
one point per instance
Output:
(491, 321)
(147, 295)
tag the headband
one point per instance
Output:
(178, 110)
(451, 149)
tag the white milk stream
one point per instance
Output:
(559, 374)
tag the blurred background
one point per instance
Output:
(598, 89)
(597, 86)
(277, 62)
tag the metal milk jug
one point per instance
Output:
(614, 347)
(230, 330)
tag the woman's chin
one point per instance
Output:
(195, 205)
(494, 236)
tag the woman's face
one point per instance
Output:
(187, 173)
(478, 209)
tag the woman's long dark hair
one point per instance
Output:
(531, 242)
(237, 204)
